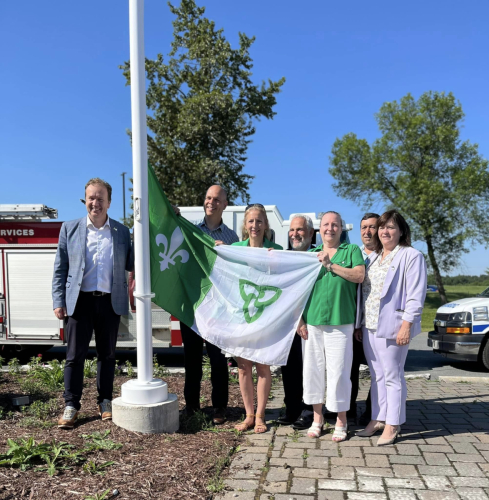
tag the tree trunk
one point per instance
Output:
(436, 270)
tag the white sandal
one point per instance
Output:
(340, 434)
(315, 430)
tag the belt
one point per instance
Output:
(97, 293)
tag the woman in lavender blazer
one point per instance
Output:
(392, 298)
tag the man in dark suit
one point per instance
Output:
(301, 233)
(90, 291)
(193, 345)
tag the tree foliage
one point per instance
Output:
(202, 109)
(420, 166)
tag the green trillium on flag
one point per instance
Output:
(247, 301)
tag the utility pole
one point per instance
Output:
(124, 194)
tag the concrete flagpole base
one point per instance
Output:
(138, 392)
(155, 418)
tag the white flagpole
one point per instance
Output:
(144, 390)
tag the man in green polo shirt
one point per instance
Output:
(328, 318)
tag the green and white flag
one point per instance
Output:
(247, 301)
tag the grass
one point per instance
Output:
(454, 292)
(216, 483)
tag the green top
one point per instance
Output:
(333, 298)
(266, 244)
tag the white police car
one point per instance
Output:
(462, 329)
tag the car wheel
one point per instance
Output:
(485, 354)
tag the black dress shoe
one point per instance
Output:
(286, 420)
(219, 416)
(304, 421)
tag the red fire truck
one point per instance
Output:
(27, 252)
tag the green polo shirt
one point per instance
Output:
(333, 299)
(266, 244)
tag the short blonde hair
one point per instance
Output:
(244, 232)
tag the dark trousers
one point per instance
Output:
(91, 314)
(193, 349)
(358, 359)
(292, 380)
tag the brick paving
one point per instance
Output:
(443, 454)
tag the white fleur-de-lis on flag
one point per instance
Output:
(170, 254)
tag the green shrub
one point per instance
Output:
(50, 457)
(35, 362)
(199, 421)
(159, 371)
(35, 388)
(43, 409)
(14, 366)
(206, 368)
(40, 414)
(99, 441)
(90, 368)
(51, 376)
(129, 369)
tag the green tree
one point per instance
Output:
(420, 166)
(202, 109)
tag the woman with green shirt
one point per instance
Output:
(256, 233)
(327, 326)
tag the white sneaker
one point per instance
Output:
(67, 420)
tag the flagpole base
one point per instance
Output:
(155, 418)
(136, 392)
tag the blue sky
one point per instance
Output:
(65, 108)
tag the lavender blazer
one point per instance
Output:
(403, 294)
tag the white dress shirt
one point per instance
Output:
(99, 258)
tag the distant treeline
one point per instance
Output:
(461, 279)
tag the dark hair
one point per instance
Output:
(96, 181)
(395, 216)
(370, 215)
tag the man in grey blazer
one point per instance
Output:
(90, 291)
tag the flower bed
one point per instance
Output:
(93, 462)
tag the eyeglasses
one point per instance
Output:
(253, 205)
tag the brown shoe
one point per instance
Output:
(105, 409)
(67, 420)
(219, 416)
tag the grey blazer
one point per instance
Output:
(69, 265)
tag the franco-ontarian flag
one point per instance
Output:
(247, 301)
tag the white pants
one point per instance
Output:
(388, 391)
(330, 348)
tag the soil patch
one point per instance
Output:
(166, 466)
